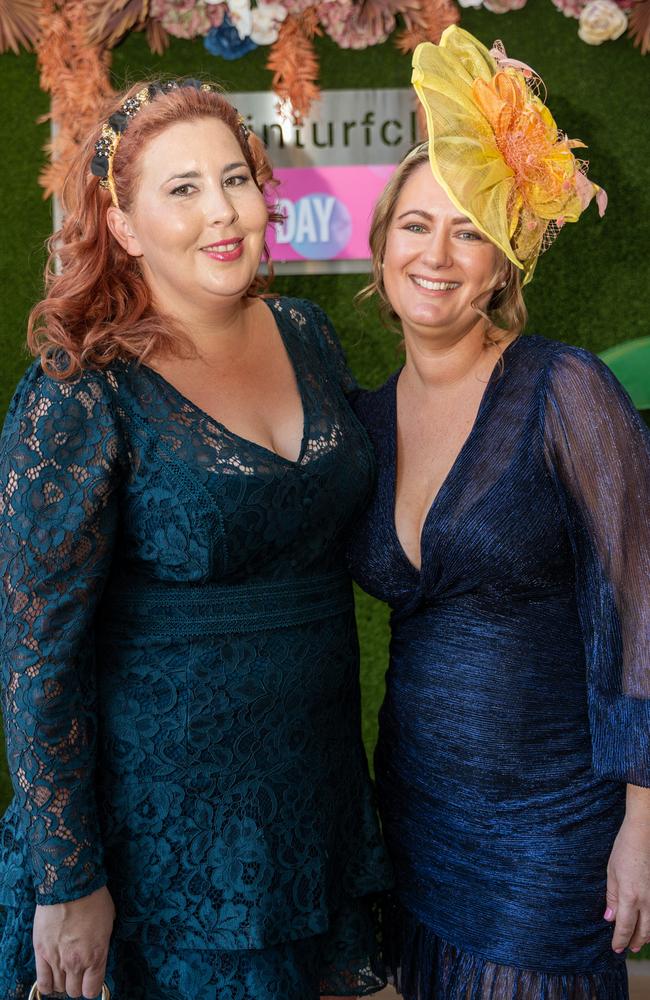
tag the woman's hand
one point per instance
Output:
(71, 944)
(628, 875)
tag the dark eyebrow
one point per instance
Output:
(193, 174)
(189, 174)
(459, 219)
(234, 166)
(415, 211)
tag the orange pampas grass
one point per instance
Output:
(639, 20)
(18, 24)
(76, 74)
(425, 22)
(294, 63)
(110, 20)
(157, 37)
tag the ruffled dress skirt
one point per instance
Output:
(426, 967)
(326, 964)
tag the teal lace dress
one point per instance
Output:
(180, 684)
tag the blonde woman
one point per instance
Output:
(509, 533)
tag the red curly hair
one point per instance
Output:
(98, 306)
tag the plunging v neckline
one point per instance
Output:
(296, 369)
(492, 381)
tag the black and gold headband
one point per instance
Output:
(112, 130)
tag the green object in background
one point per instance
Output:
(630, 362)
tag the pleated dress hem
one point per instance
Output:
(424, 966)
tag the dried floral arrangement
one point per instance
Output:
(76, 74)
(73, 39)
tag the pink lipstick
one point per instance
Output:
(225, 250)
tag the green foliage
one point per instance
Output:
(25, 218)
(630, 362)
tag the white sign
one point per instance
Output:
(345, 127)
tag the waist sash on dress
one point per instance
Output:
(169, 610)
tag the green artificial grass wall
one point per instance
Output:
(589, 289)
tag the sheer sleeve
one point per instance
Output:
(334, 354)
(598, 453)
(58, 469)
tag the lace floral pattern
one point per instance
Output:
(295, 970)
(56, 512)
(180, 678)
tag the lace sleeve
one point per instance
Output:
(334, 354)
(598, 452)
(58, 461)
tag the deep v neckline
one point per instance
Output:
(296, 367)
(495, 378)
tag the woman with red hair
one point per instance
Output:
(178, 472)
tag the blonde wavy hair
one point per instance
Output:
(506, 311)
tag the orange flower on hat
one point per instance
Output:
(538, 154)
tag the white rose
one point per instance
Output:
(239, 12)
(267, 19)
(264, 34)
(600, 21)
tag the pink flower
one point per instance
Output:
(163, 8)
(297, 6)
(216, 12)
(183, 18)
(570, 8)
(353, 27)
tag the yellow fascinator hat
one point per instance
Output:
(495, 148)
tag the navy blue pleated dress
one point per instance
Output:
(518, 692)
(180, 684)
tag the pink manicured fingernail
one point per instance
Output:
(619, 951)
(635, 949)
(609, 913)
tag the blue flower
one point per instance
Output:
(225, 41)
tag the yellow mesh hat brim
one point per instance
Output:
(495, 149)
(464, 157)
